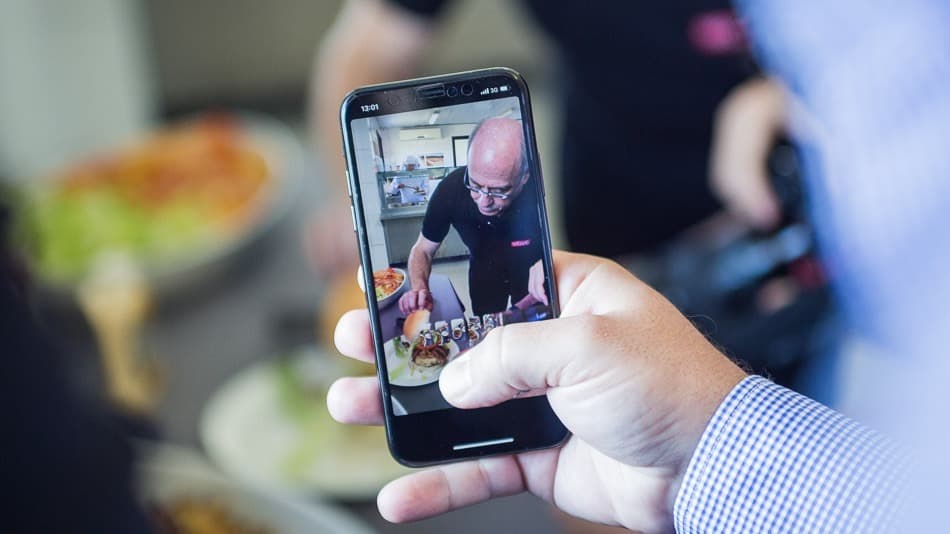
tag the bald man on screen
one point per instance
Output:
(492, 204)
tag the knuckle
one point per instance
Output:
(507, 360)
(595, 326)
(486, 483)
(498, 342)
(598, 332)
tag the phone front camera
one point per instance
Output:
(467, 89)
(452, 91)
(393, 100)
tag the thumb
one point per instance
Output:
(516, 358)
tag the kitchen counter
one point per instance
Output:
(403, 231)
(389, 214)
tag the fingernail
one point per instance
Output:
(455, 379)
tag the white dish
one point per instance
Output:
(403, 373)
(249, 433)
(392, 297)
(168, 474)
(183, 273)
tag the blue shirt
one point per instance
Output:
(871, 84)
(772, 460)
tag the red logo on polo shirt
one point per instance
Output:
(717, 33)
(520, 243)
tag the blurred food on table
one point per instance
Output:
(269, 426)
(193, 515)
(184, 190)
(182, 493)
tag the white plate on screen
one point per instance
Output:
(403, 373)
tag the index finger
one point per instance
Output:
(427, 300)
(353, 336)
(537, 291)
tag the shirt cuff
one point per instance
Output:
(771, 460)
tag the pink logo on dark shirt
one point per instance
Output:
(716, 33)
(520, 243)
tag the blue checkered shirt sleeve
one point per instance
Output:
(772, 460)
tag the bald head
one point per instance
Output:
(496, 150)
(496, 163)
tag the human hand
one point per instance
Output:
(536, 283)
(747, 124)
(631, 378)
(415, 299)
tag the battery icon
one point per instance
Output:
(503, 88)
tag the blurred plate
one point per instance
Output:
(217, 245)
(170, 476)
(269, 426)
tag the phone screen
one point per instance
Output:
(453, 216)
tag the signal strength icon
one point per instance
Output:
(485, 91)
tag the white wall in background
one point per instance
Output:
(396, 150)
(372, 204)
(74, 78)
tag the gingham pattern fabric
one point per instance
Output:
(872, 108)
(772, 460)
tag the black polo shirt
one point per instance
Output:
(503, 247)
(640, 82)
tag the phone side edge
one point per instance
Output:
(359, 222)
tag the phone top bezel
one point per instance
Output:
(427, 438)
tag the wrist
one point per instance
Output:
(703, 415)
(696, 465)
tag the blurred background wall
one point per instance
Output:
(74, 77)
(261, 52)
(83, 77)
(78, 76)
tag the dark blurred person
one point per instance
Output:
(65, 465)
(641, 85)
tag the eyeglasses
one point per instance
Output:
(481, 192)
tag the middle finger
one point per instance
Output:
(356, 401)
(353, 336)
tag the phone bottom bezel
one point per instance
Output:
(428, 438)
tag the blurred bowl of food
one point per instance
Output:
(181, 493)
(389, 284)
(269, 426)
(182, 202)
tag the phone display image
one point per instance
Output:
(456, 249)
(448, 209)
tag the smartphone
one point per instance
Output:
(448, 207)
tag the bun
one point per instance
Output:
(414, 324)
